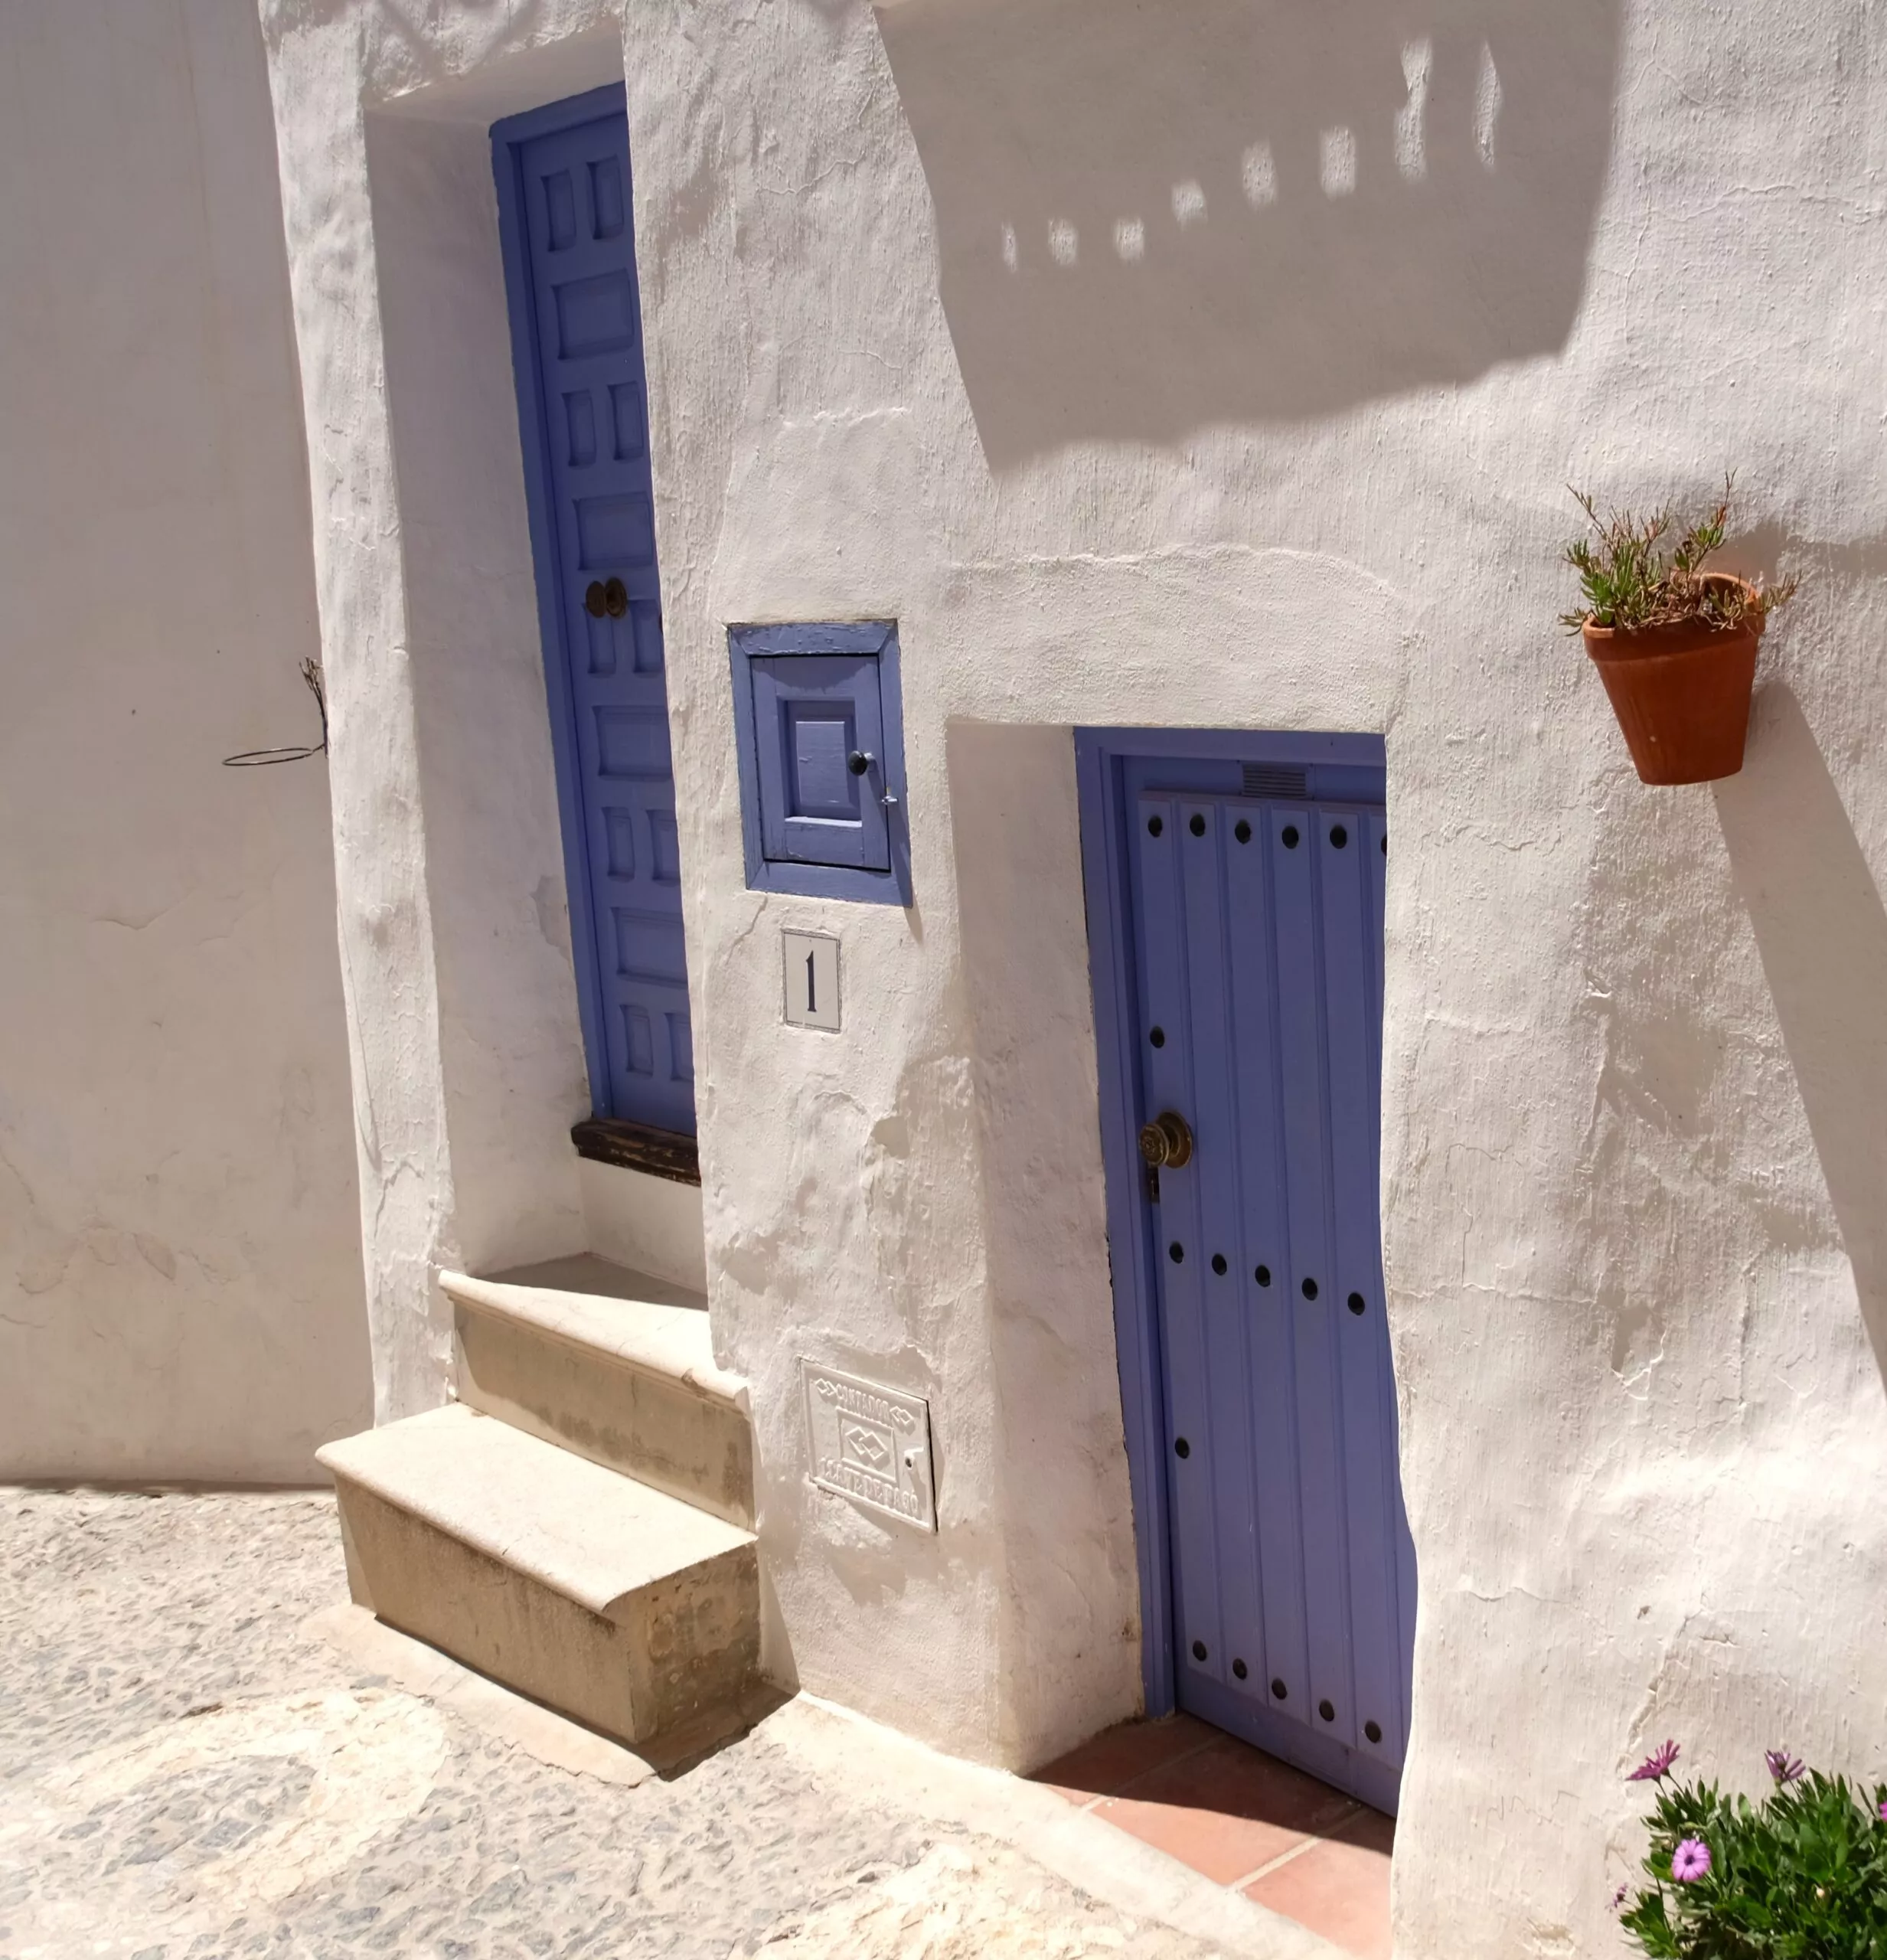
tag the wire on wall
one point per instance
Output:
(260, 758)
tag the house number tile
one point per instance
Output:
(870, 1444)
(811, 962)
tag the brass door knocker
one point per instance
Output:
(1166, 1140)
(612, 599)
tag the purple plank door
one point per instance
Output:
(1258, 929)
(563, 185)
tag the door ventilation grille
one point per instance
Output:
(1276, 779)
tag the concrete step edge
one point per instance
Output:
(656, 1337)
(592, 1535)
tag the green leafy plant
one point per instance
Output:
(1801, 1875)
(1637, 571)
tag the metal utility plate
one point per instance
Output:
(870, 1444)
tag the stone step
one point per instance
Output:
(609, 1601)
(613, 1365)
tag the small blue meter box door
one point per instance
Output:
(821, 760)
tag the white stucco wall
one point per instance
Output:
(1291, 455)
(180, 1275)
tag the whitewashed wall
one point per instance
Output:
(180, 1273)
(1223, 368)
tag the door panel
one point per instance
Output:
(1303, 1302)
(1168, 1085)
(1258, 934)
(814, 714)
(580, 356)
(1353, 1018)
(1270, 1384)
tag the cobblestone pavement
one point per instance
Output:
(187, 1770)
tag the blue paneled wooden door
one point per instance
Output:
(564, 205)
(1257, 924)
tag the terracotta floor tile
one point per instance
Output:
(1233, 1778)
(1339, 1888)
(1222, 1847)
(1117, 1755)
(1224, 1810)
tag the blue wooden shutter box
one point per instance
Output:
(817, 715)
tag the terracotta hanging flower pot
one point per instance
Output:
(1676, 645)
(1681, 689)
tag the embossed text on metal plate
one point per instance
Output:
(870, 1444)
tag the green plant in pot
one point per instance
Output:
(1675, 644)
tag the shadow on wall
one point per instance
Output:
(1058, 1456)
(1821, 932)
(1151, 218)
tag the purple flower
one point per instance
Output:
(1690, 1861)
(1784, 1767)
(1883, 1813)
(1619, 1896)
(1656, 1766)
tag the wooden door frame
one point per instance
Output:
(1099, 754)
